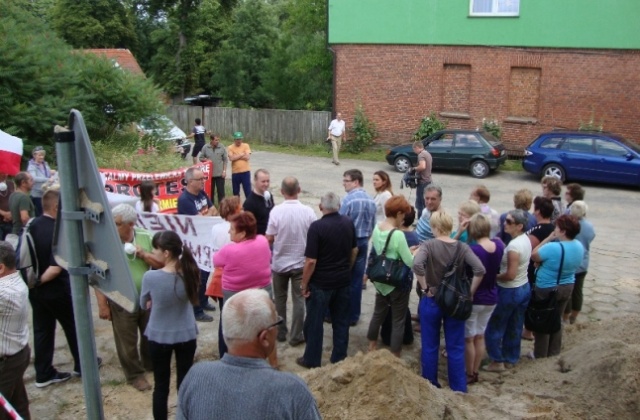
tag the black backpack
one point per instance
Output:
(26, 257)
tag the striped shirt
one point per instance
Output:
(289, 223)
(362, 210)
(14, 314)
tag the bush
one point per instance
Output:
(429, 125)
(363, 132)
(492, 126)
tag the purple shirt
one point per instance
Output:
(487, 293)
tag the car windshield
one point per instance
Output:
(155, 122)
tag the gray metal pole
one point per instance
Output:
(67, 170)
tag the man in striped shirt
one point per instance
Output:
(14, 334)
(287, 231)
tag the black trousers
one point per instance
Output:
(217, 183)
(161, 359)
(51, 303)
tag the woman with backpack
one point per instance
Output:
(430, 264)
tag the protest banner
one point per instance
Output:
(169, 184)
(195, 232)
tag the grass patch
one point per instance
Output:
(318, 150)
(514, 165)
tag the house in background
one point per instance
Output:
(120, 57)
(530, 65)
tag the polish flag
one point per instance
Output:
(10, 154)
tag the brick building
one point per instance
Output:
(522, 70)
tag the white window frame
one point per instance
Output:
(494, 9)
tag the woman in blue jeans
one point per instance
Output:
(170, 293)
(503, 333)
(429, 265)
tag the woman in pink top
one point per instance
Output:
(245, 262)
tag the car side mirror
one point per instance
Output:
(629, 156)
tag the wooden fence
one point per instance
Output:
(266, 125)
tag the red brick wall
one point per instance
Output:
(399, 84)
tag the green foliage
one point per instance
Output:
(94, 23)
(363, 132)
(429, 125)
(124, 150)
(492, 126)
(42, 79)
(243, 57)
(591, 125)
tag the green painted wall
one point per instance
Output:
(542, 23)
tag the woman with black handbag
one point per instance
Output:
(389, 244)
(556, 274)
(430, 265)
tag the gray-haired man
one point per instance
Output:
(219, 389)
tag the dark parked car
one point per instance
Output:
(584, 156)
(478, 152)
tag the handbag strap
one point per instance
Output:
(386, 244)
(561, 263)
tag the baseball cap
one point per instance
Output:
(237, 135)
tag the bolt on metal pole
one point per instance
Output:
(67, 171)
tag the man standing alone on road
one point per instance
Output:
(336, 134)
(423, 173)
(287, 231)
(362, 210)
(217, 154)
(239, 154)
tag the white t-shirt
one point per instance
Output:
(140, 207)
(522, 246)
(336, 128)
(380, 199)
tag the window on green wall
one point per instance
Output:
(494, 7)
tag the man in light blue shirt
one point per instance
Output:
(433, 201)
(362, 210)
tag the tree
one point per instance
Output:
(42, 79)
(94, 23)
(243, 57)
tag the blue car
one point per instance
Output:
(584, 156)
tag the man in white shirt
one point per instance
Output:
(287, 231)
(14, 334)
(336, 134)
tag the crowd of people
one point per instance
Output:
(263, 251)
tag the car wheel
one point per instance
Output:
(555, 170)
(479, 169)
(402, 164)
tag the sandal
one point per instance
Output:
(473, 378)
(492, 368)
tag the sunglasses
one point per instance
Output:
(510, 221)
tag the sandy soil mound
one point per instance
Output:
(378, 385)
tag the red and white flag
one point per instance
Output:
(10, 154)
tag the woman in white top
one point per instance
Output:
(503, 333)
(147, 202)
(384, 191)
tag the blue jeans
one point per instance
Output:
(244, 179)
(357, 272)
(431, 320)
(337, 302)
(504, 331)
(204, 299)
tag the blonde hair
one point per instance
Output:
(479, 226)
(442, 221)
(579, 209)
(469, 207)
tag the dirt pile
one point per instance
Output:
(378, 385)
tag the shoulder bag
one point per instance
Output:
(542, 315)
(453, 295)
(385, 270)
